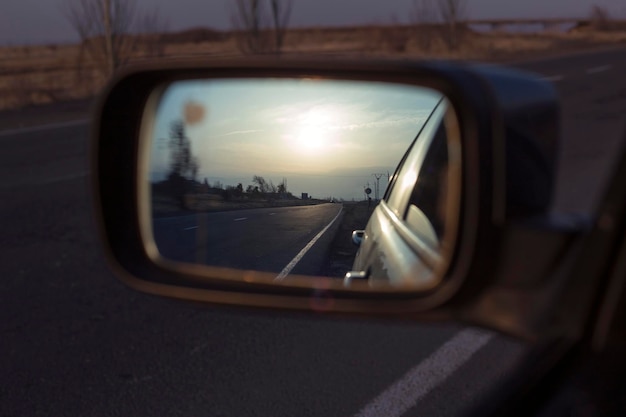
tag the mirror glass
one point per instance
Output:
(293, 177)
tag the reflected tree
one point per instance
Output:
(282, 187)
(236, 191)
(183, 165)
(252, 190)
(263, 186)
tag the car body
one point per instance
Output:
(402, 242)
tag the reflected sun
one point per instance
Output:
(312, 131)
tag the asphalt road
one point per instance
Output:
(592, 88)
(266, 239)
(76, 342)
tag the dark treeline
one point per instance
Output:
(184, 166)
(259, 188)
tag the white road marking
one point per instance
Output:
(304, 250)
(190, 228)
(46, 181)
(271, 214)
(240, 219)
(554, 78)
(63, 178)
(596, 70)
(404, 394)
(32, 129)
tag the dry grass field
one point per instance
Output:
(51, 73)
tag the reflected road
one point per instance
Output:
(265, 239)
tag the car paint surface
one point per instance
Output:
(392, 253)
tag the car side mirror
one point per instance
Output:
(357, 237)
(220, 182)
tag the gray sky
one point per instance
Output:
(42, 21)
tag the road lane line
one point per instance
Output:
(46, 181)
(240, 219)
(304, 250)
(190, 228)
(63, 178)
(596, 70)
(32, 129)
(553, 78)
(404, 394)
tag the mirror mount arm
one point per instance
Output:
(355, 275)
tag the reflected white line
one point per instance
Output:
(190, 228)
(240, 219)
(304, 250)
(596, 70)
(271, 214)
(404, 394)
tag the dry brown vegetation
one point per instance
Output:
(44, 74)
(341, 257)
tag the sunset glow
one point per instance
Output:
(325, 136)
(312, 131)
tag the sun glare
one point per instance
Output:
(313, 131)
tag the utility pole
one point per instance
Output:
(377, 187)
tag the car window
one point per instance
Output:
(418, 193)
(425, 213)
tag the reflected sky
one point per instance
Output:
(326, 138)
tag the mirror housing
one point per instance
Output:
(509, 120)
(357, 237)
(531, 119)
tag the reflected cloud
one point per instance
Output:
(239, 132)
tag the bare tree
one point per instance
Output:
(102, 26)
(282, 186)
(600, 18)
(281, 12)
(184, 165)
(152, 26)
(423, 16)
(262, 184)
(251, 21)
(452, 13)
(394, 36)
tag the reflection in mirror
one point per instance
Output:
(274, 175)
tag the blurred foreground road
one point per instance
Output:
(76, 342)
(592, 88)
